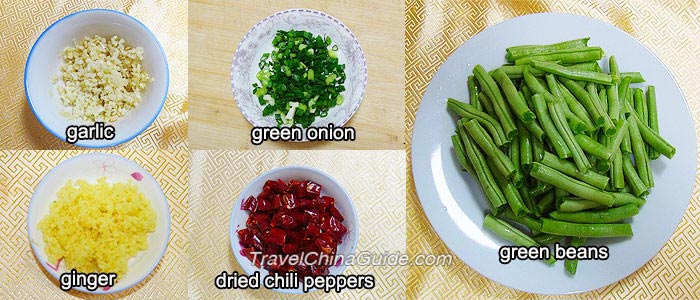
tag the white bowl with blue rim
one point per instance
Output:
(330, 187)
(44, 62)
(113, 168)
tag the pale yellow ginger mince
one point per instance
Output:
(97, 227)
(101, 79)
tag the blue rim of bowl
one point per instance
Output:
(143, 172)
(237, 204)
(112, 143)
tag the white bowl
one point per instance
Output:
(116, 169)
(331, 188)
(45, 60)
(258, 40)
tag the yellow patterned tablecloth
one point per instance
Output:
(21, 23)
(670, 29)
(374, 180)
(22, 277)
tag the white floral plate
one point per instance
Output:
(259, 41)
(113, 168)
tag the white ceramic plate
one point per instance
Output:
(116, 169)
(455, 205)
(259, 41)
(44, 62)
(330, 187)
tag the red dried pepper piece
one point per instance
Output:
(334, 226)
(250, 204)
(289, 200)
(325, 243)
(327, 202)
(283, 219)
(336, 214)
(276, 236)
(306, 203)
(313, 189)
(312, 216)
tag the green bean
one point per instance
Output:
(640, 155)
(540, 189)
(568, 56)
(537, 150)
(631, 176)
(616, 173)
(572, 264)
(515, 202)
(627, 198)
(516, 52)
(508, 232)
(653, 117)
(569, 168)
(587, 66)
(527, 94)
(545, 239)
(603, 96)
(654, 140)
(626, 144)
(469, 112)
(615, 141)
(560, 193)
(491, 90)
(602, 165)
(514, 155)
(576, 124)
(585, 230)
(640, 106)
(592, 147)
(546, 204)
(607, 122)
(559, 121)
(484, 176)
(576, 107)
(613, 102)
(533, 128)
(516, 72)
(554, 137)
(531, 223)
(573, 74)
(536, 87)
(614, 70)
(461, 155)
(501, 161)
(571, 185)
(609, 215)
(516, 103)
(635, 77)
(473, 93)
(594, 109)
(529, 202)
(553, 85)
(622, 92)
(525, 147)
(571, 204)
(487, 106)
